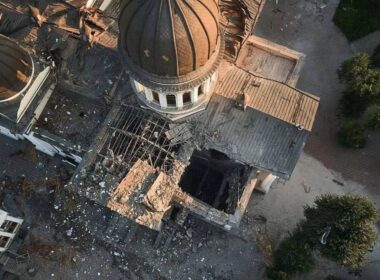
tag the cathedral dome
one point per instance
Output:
(16, 69)
(169, 43)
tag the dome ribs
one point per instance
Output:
(204, 28)
(148, 12)
(147, 47)
(130, 43)
(16, 69)
(215, 17)
(189, 33)
(156, 37)
(167, 44)
(6, 78)
(177, 73)
(165, 53)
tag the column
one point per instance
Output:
(207, 86)
(148, 94)
(213, 81)
(266, 182)
(133, 83)
(163, 102)
(179, 100)
(194, 95)
(213, 77)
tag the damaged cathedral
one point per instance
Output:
(167, 108)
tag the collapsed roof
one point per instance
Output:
(238, 17)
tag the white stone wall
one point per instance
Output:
(9, 226)
(41, 145)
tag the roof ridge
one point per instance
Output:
(279, 82)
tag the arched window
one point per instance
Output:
(156, 97)
(201, 90)
(187, 97)
(170, 100)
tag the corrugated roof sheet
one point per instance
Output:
(253, 137)
(271, 97)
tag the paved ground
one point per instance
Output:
(306, 26)
(283, 207)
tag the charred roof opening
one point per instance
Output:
(16, 69)
(215, 179)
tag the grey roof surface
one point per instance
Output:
(253, 137)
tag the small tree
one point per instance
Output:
(342, 228)
(293, 255)
(353, 105)
(359, 76)
(352, 135)
(374, 118)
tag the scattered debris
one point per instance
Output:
(306, 188)
(338, 182)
